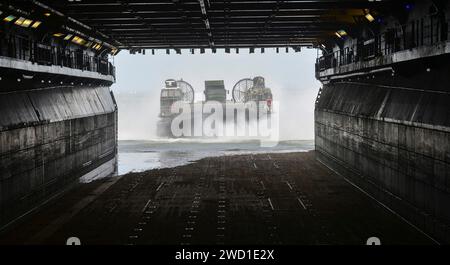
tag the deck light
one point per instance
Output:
(369, 17)
(68, 37)
(58, 35)
(26, 23)
(9, 18)
(36, 24)
(78, 40)
(114, 51)
(341, 33)
(19, 21)
(97, 46)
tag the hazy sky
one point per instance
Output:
(289, 75)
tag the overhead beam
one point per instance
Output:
(229, 23)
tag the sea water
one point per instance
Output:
(138, 156)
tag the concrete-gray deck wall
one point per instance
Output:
(48, 139)
(394, 143)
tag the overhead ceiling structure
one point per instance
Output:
(188, 24)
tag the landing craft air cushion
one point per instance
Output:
(178, 95)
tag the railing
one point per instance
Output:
(24, 49)
(421, 32)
